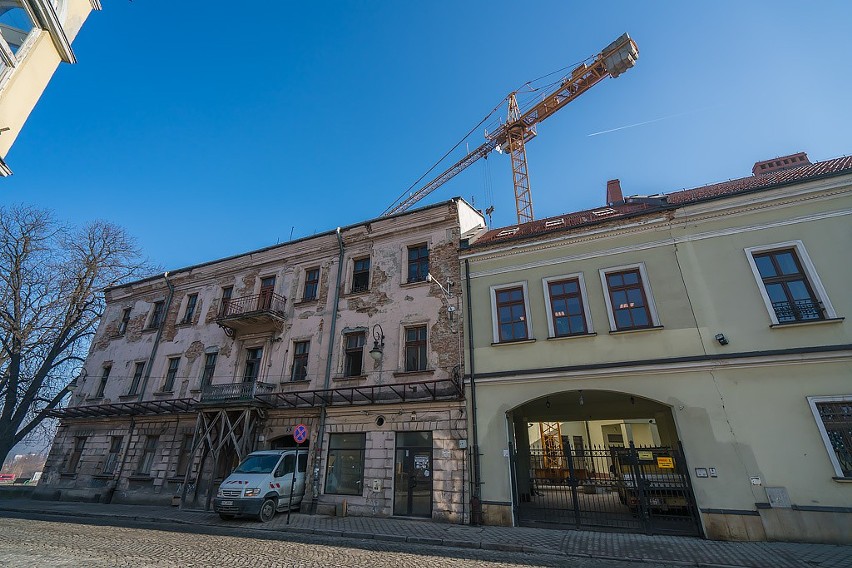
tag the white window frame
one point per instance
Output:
(350, 271)
(403, 328)
(812, 402)
(303, 283)
(807, 266)
(587, 315)
(495, 321)
(646, 287)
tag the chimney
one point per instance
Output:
(613, 192)
(782, 163)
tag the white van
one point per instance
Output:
(260, 486)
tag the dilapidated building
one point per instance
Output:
(353, 333)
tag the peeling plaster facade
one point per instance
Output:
(129, 341)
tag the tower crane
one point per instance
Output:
(520, 127)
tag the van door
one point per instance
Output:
(284, 477)
(301, 476)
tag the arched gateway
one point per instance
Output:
(596, 459)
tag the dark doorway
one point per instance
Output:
(413, 474)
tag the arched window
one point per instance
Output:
(15, 24)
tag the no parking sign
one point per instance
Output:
(300, 433)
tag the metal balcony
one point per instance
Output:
(252, 314)
(235, 392)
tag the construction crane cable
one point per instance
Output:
(444, 157)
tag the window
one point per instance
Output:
(76, 454)
(353, 364)
(184, 456)
(345, 465)
(102, 384)
(789, 285)
(628, 298)
(209, 369)
(418, 263)
(112, 457)
(227, 292)
(567, 306)
(311, 284)
(125, 320)
(361, 275)
(171, 373)
(191, 300)
(156, 315)
(299, 371)
(137, 378)
(833, 416)
(252, 370)
(415, 348)
(510, 316)
(15, 26)
(148, 455)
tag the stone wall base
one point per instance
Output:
(781, 524)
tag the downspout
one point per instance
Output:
(327, 383)
(475, 499)
(159, 336)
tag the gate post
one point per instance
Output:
(572, 483)
(639, 482)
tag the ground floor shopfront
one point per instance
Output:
(407, 459)
(732, 452)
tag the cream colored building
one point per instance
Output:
(35, 37)
(674, 364)
(342, 332)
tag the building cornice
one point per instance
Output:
(673, 216)
(674, 365)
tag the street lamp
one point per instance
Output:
(378, 342)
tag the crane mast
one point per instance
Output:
(612, 61)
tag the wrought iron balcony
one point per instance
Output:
(799, 310)
(235, 392)
(253, 314)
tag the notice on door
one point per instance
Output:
(421, 462)
(665, 463)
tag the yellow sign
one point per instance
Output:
(646, 456)
(665, 463)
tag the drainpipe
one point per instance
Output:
(157, 339)
(475, 499)
(326, 384)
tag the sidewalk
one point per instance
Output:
(683, 551)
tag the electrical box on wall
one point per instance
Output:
(377, 485)
(463, 444)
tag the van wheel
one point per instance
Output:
(267, 510)
(226, 517)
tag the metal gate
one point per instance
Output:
(645, 489)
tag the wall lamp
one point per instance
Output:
(378, 342)
(720, 337)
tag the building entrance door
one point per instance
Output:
(413, 474)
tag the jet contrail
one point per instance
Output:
(646, 122)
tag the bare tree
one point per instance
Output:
(52, 279)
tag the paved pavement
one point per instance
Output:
(685, 551)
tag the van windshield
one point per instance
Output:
(258, 464)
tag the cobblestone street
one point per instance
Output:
(25, 542)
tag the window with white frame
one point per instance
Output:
(16, 23)
(415, 348)
(510, 315)
(833, 416)
(789, 284)
(567, 306)
(627, 293)
(148, 452)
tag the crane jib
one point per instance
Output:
(615, 59)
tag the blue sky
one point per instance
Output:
(208, 129)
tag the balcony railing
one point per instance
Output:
(235, 392)
(799, 310)
(247, 305)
